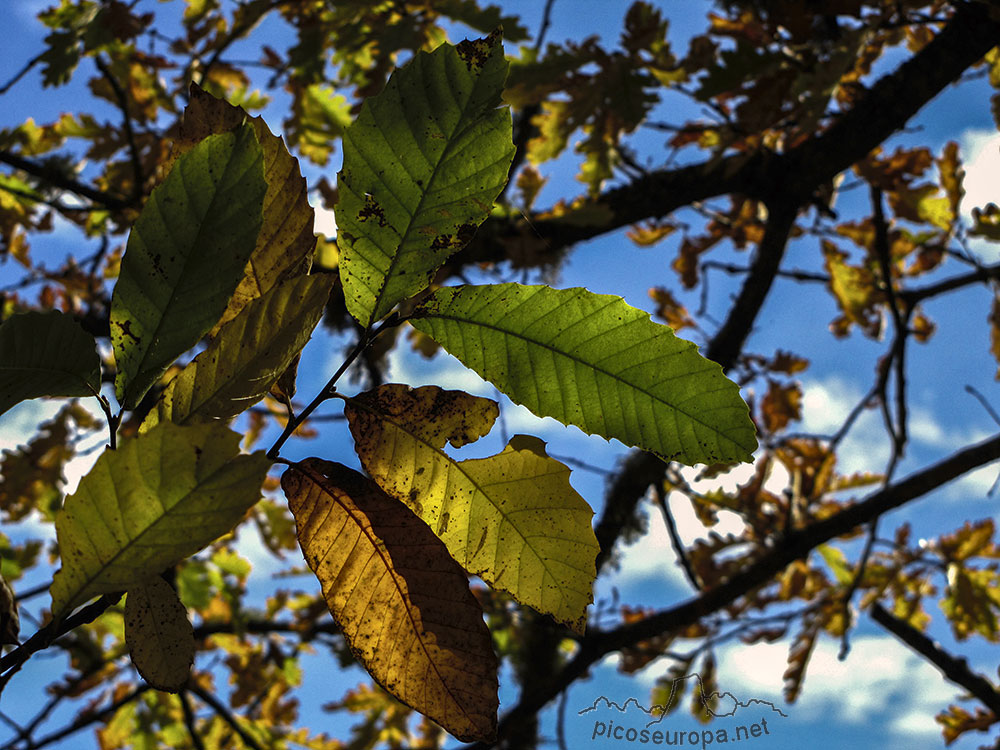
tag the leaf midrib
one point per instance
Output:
(189, 256)
(145, 531)
(426, 313)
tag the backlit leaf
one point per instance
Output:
(157, 499)
(286, 240)
(401, 601)
(593, 361)
(249, 354)
(423, 164)
(185, 257)
(46, 354)
(513, 519)
(159, 635)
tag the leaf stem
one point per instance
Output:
(114, 420)
(328, 390)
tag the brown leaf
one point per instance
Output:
(782, 404)
(159, 635)
(673, 312)
(402, 602)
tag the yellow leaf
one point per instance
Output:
(513, 519)
(159, 635)
(403, 604)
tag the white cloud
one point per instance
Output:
(981, 155)
(826, 404)
(325, 223)
(879, 678)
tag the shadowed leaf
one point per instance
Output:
(247, 357)
(402, 603)
(185, 257)
(46, 354)
(159, 635)
(286, 239)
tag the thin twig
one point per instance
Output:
(189, 721)
(21, 73)
(675, 537)
(85, 720)
(123, 105)
(54, 178)
(44, 637)
(546, 21)
(329, 389)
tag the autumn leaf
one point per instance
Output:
(247, 356)
(511, 519)
(159, 635)
(593, 361)
(401, 601)
(157, 499)
(286, 239)
(971, 602)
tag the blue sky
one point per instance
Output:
(882, 694)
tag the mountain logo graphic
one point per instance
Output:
(658, 712)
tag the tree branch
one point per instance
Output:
(955, 670)
(794, 546)
(881, 111)
(54, 178)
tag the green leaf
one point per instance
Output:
(286, 240)
(247, 357)
(158, 498)
(401, 601)
(185, 257)
(46, 354)
(513, 519)
(593, 361)
(423, 164)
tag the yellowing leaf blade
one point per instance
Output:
(159, 635)
(402, 603)
(246, 358)
(154, 501)
(593, 361)
(286, 240)
(513, 519)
